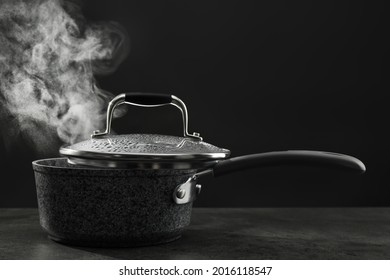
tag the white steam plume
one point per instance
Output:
(48, 56)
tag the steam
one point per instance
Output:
(49, 54)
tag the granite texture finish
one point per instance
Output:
(218, 233)
(109, 207)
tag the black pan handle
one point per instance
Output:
(148, 99)
(294, 157)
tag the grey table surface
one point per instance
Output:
(226, 233)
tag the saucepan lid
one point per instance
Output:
(145, 151)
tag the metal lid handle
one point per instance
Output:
(146, 100)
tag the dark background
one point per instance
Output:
(256, 76)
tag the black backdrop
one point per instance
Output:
(256, 76)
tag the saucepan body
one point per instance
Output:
(109, 207)
(138, 189)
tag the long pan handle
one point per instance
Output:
(294, 157)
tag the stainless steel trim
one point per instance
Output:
(144, 156)
(120, 99)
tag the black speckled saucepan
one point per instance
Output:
(138, 189)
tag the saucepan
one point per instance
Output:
(138, 189)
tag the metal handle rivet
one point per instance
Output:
(181, 193)
(198, 188)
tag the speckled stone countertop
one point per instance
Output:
(221, 233)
